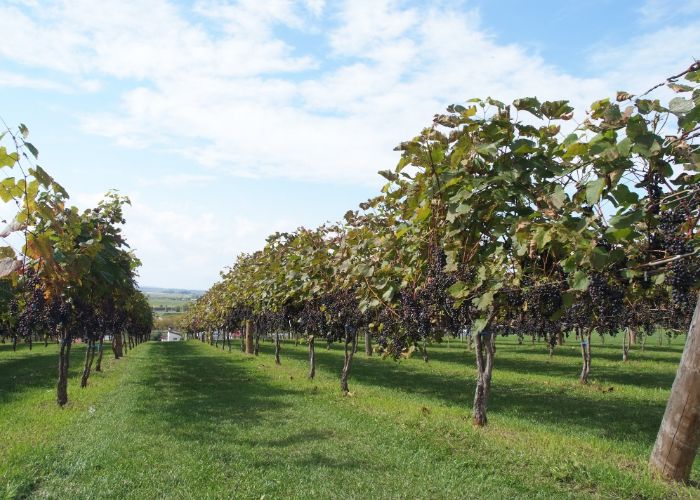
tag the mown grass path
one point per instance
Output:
(185, 420)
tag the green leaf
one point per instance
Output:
(490, 149)
(626, 220)
(41, 175)
(7, 159)
(680, 105)
(594, 190)
(423, 212)
(457, 290)
(8, 189)
(8, 266)
(479, 325)
(558, 197)
(59, 189)
(556, 109)
(523, 146)
(530, 104)
(678, 87)
(624, 146)
(8, 252)
(34, 151)
(579, 281)
(364, 270)
(636, 127)
(570, 139)
(402, 229)
(23, 130)
(598, 257)
(624, 196)
(484, 301)
(389, 175)
(388, 294)
(576, 149)
(542, 237)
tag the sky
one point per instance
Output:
(225, 121)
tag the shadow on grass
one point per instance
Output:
(24, 370)
(567, 368)
(571, 351)
(608, 415)
(200, 394)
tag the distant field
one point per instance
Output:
(169, 300)
(187, 420)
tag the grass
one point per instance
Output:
(186, 420)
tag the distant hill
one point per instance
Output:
(166, 301)
(171, 291)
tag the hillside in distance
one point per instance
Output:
(170, 300)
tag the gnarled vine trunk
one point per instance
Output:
(87, 366)
(586, 356)
(249, 346)
(350, 347)
(312, 357)
(277, 348)
(679, 435)
(485, 351)
(115, 346)
(63, 366)
(100, 349)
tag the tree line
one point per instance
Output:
(521, 219)
(64, 274)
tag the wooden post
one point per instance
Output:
(249, 348)
(679, 435)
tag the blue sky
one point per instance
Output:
(227, 120)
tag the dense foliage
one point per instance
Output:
(499, 219)
(65, 275)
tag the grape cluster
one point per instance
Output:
(311, 318)
(606, 297)
(654, 192)
(390, 340)
(682, 274)
(31, 318)
(342, 314)
(511, 301)
(541, 301)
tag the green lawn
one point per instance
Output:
(186, 420)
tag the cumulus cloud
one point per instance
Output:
(22, 81)
(295, 89)
(185, 244)
(217, 83)
(656, 11)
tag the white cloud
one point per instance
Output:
(657, 11)
(650, 57)
(230, 93)
(22, 81)
(315, 6)
(183, 243)
(219, 85)
(176, 180)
